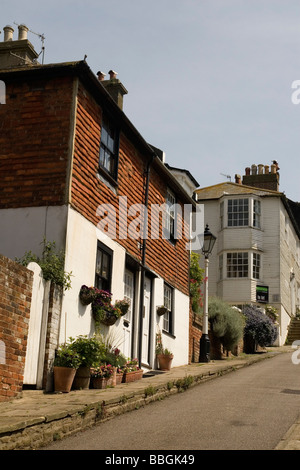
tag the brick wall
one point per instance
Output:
(195, 332)
(34, 141)
(15, 300)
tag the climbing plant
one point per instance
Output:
(196, 279)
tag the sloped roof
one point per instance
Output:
(218, 190)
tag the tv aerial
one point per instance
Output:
(227, 176)
(42, 38)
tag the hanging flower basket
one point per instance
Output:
(161, 310)
(86, 295)
(123, 306)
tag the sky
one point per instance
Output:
(209, 81)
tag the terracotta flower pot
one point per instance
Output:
(63, 378)
(102, 382)
(165, 361)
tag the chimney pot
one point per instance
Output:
(260, 169)
(247, 171)
(112, 74)
(101, 76)
(8, 33)
(22, 32)
(238, 179)
(266, 169)
(254, 169)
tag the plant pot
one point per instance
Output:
(102, 382)
(82, 378)
(132, 376)
(119, 377)
(63, 378)
(161, 311)
(164, 361)
(86, 296)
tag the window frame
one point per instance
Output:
(170, 216)
(237, 267)
(102, 282)
(107, 127)
(242, 218)
(169, 304)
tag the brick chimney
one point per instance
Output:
(260, 176)
(114, 87)
(15, 53)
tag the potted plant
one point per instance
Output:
(131, 371)
(123, 306)
(90, 351)
(163, 355)
(86, 295)
(102, 376)
(161, 310)
(65, 365)
(103, 311)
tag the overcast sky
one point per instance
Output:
(209, 81)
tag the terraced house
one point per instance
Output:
(76, 171)
(257, 254)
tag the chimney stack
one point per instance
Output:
(114, 87)
(259, 176)
(16, 53)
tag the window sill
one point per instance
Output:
(107, 179)
(167, 333)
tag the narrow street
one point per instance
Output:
(250, 409)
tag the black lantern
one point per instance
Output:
(208, 242)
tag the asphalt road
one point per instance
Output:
(250, 409)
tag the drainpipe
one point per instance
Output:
(144, 247)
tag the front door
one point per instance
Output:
(127, 319)
(146, 321)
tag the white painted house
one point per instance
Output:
(256, 258)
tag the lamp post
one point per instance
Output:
(208, 244)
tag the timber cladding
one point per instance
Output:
(89, 190)
(15, 300)
(34, 141)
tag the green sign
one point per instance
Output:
(262, 294)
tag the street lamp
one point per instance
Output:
(208, 244)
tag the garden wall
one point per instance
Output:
(15, 300)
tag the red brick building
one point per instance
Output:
(76, 171)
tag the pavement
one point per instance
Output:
(37, 418)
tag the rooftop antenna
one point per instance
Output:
(42, 38)
(227, 176)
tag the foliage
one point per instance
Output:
(66, 357)
(102, 371)
(131, 365)
(104, 311)
(196, 279)
(52, 264)
(159, 349)
(271, 312)
(90, 350)
(259, 326)
(227, 323)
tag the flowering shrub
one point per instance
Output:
(196, 279)
(131, 365)
(259, 327)
(102, 371)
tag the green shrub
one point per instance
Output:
(226, 322)
(259, 327)
(52, 263)
(196, 278)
